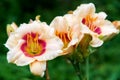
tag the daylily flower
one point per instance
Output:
(33, 44)
(68, 31)
(94, 24)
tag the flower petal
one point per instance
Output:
(14, 53)
(96, 42)
(12, 41)
(73, 29)
(23, 60)
(71, 20)
(59, 24)
(84, 9)
(12, 57)
(85, 29)
(38, 68)
(108, 28)
(101, 15)
(68, 50)
(16, 56)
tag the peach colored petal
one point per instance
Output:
(96, 42)
(13, 54)
(16, 56)
(38, 68)
(12, 41)
(108, 28)
(23, 60)
(84, 10)
(59, 24)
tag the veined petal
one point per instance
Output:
(12, 57)
(49, 55)
(85, 29)
(36, 27)
(16, 56)
(73, 42)
(14, 53)
(74, 28)
(67, 50)
(23, 60)
(52, 44)
(96, 42)
(84, 9)
(111, 35)
(68, 30)
(101, 15)
(74, 31)
(76, 39)
(108, 28)
(38, 68)
(71, 20)
(59, 24)
(12, 41)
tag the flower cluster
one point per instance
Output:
(36, 42)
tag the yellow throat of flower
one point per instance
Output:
(64, 37)
(33, 46)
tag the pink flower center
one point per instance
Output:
(89, 22)
(33, 46)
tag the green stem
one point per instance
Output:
(77, 69)
(87, 68)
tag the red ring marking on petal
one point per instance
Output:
(33, 46)
(97, 30)
(89, 22)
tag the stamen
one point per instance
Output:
(35, 40)
(89, 21)
(64, 38)
(33, 46)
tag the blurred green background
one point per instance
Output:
(104, 65)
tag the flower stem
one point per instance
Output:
(77, 69)
(46, 72)
(87, 68)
